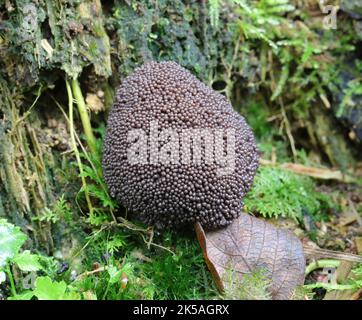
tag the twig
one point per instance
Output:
(318, 173)
(129, 225)
(157, 245)
(151, 238)
(288, 129)
(330, 254)
(88, 273)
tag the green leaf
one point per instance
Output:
(11, 240)
(114, 274)
(26, 295)
(27, 261)
(72, 296)
(45, 289)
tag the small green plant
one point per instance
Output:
(46, 289)
(352, 283)
(279, 193)
(11, 241)
(60, 210)
(354, 87)
(253, 286)
(181, 275)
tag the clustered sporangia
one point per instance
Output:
(174, 194)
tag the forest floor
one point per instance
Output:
(284, 65)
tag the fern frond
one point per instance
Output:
(279, 193)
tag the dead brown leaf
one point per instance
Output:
(249, 244)
(94, 103)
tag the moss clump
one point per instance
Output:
(277, 192)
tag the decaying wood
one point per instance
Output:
(27, 184)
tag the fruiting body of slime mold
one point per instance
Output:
(158, 108)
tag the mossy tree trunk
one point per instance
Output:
(28, 172)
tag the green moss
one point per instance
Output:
(150, 273)
(59, 34)
(182, 275)
(172, 30)
(279, 193)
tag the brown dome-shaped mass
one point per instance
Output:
(175, 151)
